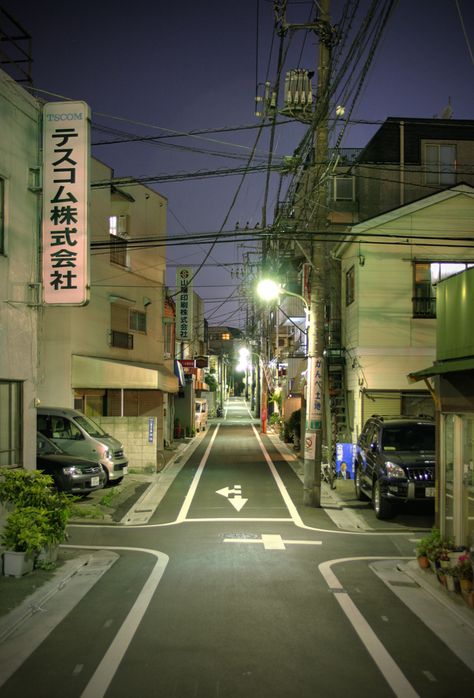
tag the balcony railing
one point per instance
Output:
(424, 307)
(122, 340)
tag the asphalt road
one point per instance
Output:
(234, 589)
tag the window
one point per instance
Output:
(225, 336)
(440, 164)
(343, 188)
(137, 321)
(10, 423)
(426, 276)
(350, 286)
(119, 326)
(2, 215)
(118, 240)
(168, 337)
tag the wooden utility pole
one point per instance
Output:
(317, 221)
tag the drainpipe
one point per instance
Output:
(402, 163)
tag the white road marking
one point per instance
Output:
(272, 541)
(192, 490)
(226, 518)
(279, 482)
(237, 501)
(103, 675)
(390, 670)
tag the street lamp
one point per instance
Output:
(268, 290)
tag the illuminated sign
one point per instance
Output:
(65, 250)
(184, 305)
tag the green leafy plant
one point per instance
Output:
(30, 491)
(25, 487)
(26, 530)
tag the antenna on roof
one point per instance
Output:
(447, 111)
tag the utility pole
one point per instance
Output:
(317, 220)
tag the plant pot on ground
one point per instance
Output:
(23, 537)
(38, 516)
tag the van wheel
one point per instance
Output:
(383, 509)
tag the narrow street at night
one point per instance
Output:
(235, 589)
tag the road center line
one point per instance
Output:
(192, 490)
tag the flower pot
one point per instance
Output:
(450, 583)
(48, 555)
(454, 557)
(423, 562)
(17, 564)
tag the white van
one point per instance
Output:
(78, 435)
(200, 420)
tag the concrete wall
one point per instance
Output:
(134, 433)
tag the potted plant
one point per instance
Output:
(31, 496)
(464, 570)
(426, 548)
(25, 533)
(58, 512)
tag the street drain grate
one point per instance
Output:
(410, 585)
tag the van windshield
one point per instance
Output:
(91, 427)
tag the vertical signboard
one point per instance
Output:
(65, 249)
(184, 305)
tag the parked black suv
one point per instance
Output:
(395, 462)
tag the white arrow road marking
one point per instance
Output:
(272, 541)
(234, 496)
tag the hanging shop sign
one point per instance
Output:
(66, 186)
(184, 305)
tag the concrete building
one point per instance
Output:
(20, 120)
(112, 358)
(390, 265)
(451, 381)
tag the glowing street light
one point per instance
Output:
(270, 290)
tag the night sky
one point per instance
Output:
(185, 65)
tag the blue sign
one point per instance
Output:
(345, 460)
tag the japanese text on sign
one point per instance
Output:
(65, 254)
(184, 306)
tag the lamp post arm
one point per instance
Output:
(296, 295)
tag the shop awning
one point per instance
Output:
(92, 372)
(440, 368)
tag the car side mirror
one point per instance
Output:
(78, 437)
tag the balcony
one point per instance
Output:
(121, 340)
(424, 307)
